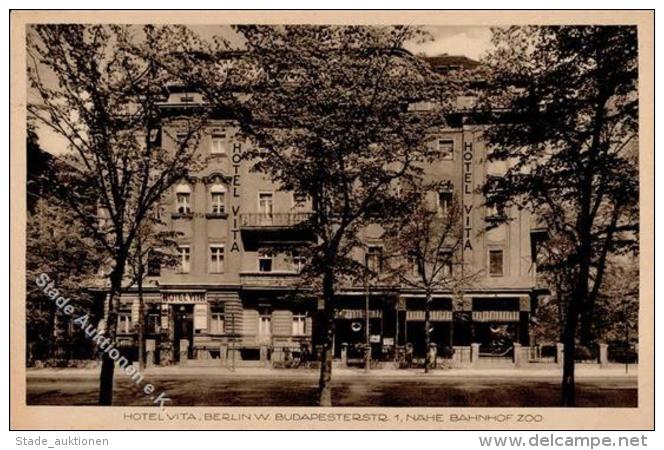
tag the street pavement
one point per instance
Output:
(203, 386)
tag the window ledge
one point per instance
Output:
(187, 216)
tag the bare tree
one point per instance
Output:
(155, 247)
(426, 253)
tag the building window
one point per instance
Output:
(299, 324)
(158, 213)
(495, 211)
(185, 258)
(124, 323)
(299, 200)
(496, 263)
(218, 143)
(264, 262)
(297, 261)
(374, 258)
(183, 203)
(446, 149)
(445, 261)
(265, 205)
(264, 325)
(152, 321)
(218, 199)
(217, 320)
(154, 263)
(444, 205)
(216, 258)
(183, 199)
(414, 264)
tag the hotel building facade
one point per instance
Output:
(231, 302)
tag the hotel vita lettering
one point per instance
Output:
(229, 300)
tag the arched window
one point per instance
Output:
(217, 198)
(183, 199)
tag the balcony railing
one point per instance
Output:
(269, 279)
(274, 220)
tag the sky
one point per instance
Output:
(454, 40)
(469, 41)
(472, 42)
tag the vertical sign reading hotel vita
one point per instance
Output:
(236, 159)
(467, 183)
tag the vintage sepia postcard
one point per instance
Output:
(428, 220)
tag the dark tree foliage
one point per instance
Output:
(330, 112)
(93, 90)
(564, 106)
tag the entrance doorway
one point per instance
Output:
(440, 335)
(184, 329)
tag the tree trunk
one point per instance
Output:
(569, 343)
(367, 331)
(141, 327)
(53, 332)
(579, 297)
(141, 306)
(428, 364)
(325, 380)
(107, 364)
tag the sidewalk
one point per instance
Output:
(582, 371)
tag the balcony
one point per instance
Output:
(275, 227)
(272, 280)
(274, 220)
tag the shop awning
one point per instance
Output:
(435, 316)
(351, 314)
(495, 316)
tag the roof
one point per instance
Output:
(446, 63)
